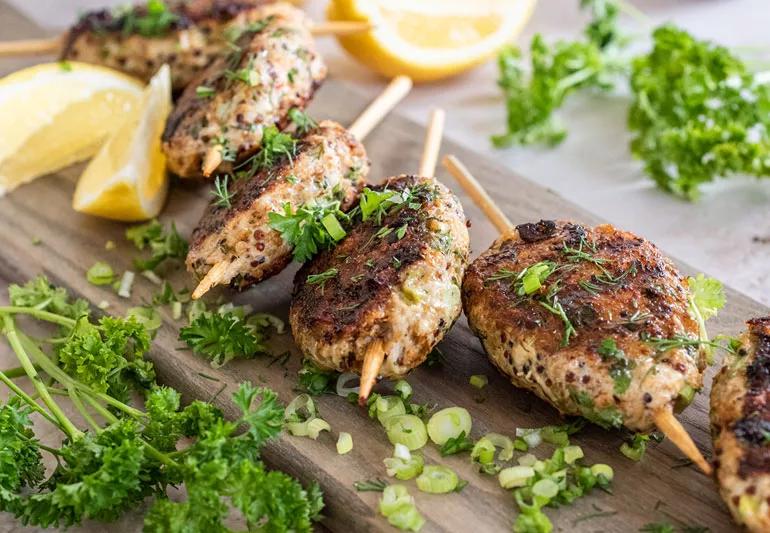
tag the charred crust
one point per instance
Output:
(369, 267)
(538, 231)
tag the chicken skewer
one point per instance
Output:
(220, 120)
(185, 35)
(236, 244)
(740, 423)
(573, 313)
(378, 302)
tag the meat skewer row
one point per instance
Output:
(579, 315)
(379, 302)
(186, 35)
(222, 116)
(740, 426)
(236, 244)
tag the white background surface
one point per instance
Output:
(592, 167)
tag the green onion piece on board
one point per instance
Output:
(479, 381)
(392, 497)
(344, 443)
(404, 465)
(603, 470)
(100, 274)
(448, 424)
(572, 454)
(483, 451)
(437, 480)
(545, 488)
(398, 507)
(505, 444)
(387, 406)
(403, 389)
(515, 476)
(408, 430)
(149, 317)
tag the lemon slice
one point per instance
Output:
(430, 39)
(55, 114)
(127, 179)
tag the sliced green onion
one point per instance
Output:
(343, 380)
(479, 381)
(104, 304)
(176, 310)
(448, 424)
(398, 507)
(392, 497)
(152, 276)
(404, 465)
(149, 317)
(100, 274)
(545, 488)
(437, 480)
(527, 459)
(530, 436)
(316, 426)
(195, 309)
(556, 435)
(300, 409)
(483, 451)
(406, 518)
(403, 389)
(387, 406)
(685, 397)
(572, 454)
(408, 430)
(504, 443)
(126, 282)
(333, 226)
(515, 476)
(603, 470)
(344, 443)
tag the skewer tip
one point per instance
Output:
(213, 277)
(673, 429)
(211, 160)
(373, 359)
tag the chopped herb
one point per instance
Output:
(606, 417)
(301, 121)
(396, 262)
(163, 244)
(635, 449)
(221, 192)
(400, 232)
(371, 485)
(323, 277)
(460, 443)
(292, 178)
(659, 527)
(304, 228)
(316, 381)
(222, 337)
(201, 91)
(621, 366)
(275, 145)
(155, 20)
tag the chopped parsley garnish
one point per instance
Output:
(620, 365)
(304, 228)
(301, 121)
(163, 244)
(606, 417)
(275, 145)
(154, 20)
(316, 381)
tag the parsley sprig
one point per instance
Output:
(163, 244)
(106, 468)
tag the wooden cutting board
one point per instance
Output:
(657, 489)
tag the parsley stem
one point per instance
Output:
(39, 313)
(14, 339)
(78, 403)
(27, 398)
(13, 373)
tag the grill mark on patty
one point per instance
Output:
(367, 272)
(753, 429)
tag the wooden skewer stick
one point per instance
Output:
(373, 359)
(361, 127)
(673, 429)
(432, 144)
(375, 355)
(396, 90)
(54, 45)
(665, 419)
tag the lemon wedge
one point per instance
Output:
(127, 179)
(55, 114)
(430, 39)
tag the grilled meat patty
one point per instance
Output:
(187, 37)
(328, 162)
(740, 426)
(272, 68)
(586, 339)
(396, 280)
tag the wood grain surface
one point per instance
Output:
(657, 489)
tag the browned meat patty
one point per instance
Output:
(272, 68)
(396, 281)
(584, 340)
(740, 426)
(188, 38)
(328, 163)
